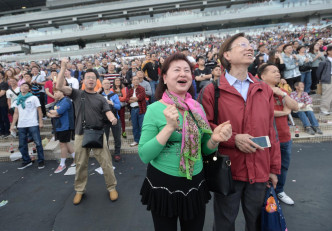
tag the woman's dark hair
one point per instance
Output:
(299, 48)
(226, 46)
(272, 57)
(161, 87)
(121, 84)
(263, 67)
(286, 45)
(312, 47)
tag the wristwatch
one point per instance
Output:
(284, 94)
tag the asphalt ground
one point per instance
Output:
(42, 200)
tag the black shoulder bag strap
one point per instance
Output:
(14, 92)
(216, 97)
(110, 96)
(83, 110)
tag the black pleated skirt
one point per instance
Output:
(171, 196)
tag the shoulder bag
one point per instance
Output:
(217, 167)
(92, 138)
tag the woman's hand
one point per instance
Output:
(172, 116)
(283, 81)
(222, 133)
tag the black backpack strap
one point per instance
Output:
(110, 96)
(216, 97)
(83, 109)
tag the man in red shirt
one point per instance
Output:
(283, 105)
(49, 86)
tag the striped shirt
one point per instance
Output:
(111, 77)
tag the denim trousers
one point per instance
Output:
(306, 79)
(137, 121)
(23, 143)
(286, 151)
(153, 85)
(307, 118)
(4, 121)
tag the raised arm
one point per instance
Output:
(60, 83)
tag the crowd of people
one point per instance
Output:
(261, 82)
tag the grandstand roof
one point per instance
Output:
(7, 5)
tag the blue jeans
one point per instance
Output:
(195, 89)
(286, 151)
(153, 85)
(306, 79)
(4, 121)
(137, 121)
(23, 144)
(307, 118)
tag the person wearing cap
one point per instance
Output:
(29, 115)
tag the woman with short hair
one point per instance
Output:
(175, 134)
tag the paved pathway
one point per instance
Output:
(42, 200)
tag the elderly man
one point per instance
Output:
(113, 100)
(248, 104)
(144, 84)
(95, 107)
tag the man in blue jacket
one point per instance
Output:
(115, 105)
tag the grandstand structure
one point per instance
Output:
(59, 28)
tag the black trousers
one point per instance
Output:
(42, 102)
(292, 81)
(162, 223)
(116, 131)
(314, 79)
(226, 208)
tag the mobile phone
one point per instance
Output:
(263, 141)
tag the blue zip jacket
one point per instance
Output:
(116, 101)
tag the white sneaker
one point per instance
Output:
(133, 144)
(284, 198)
(60, 169)
(325, 113)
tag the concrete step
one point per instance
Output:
(323, 126)
(306, 138)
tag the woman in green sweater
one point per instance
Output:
(175, 133)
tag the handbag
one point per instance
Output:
(319, 90)
(272, 216)
(217, 167)
(92, 138)
(305, 67)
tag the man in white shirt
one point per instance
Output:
(27, 107)
(72, 82)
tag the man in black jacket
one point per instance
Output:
(324, 74)
(152, 76)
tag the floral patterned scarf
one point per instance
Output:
(194, 119)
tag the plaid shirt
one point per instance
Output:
(140, 94)
(305, 98)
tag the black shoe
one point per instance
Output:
(25, 165)
(317, 130)
(41, 165)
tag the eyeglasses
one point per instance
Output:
(90, 77)
(242, 45)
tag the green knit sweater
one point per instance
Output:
(165, 158)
